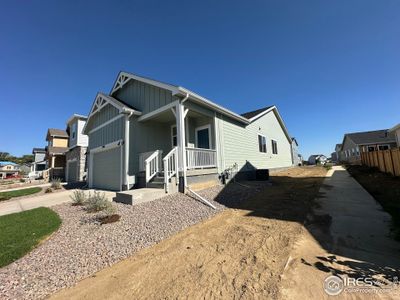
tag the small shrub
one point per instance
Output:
(56, 183)
(78, 198)
(22, 180)
(48, 190)
(98, 202)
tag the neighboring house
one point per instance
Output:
(296, 157)
(336, 155)
(355, 143)
(396, 131)
(149, 133)
(39, 159)
(317, 159)
(8, 169)
(57, 146)
(76, 155)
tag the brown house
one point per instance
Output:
(57, 146)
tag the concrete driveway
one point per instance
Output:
(46, 200)
(355, 243)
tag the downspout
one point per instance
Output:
(127, 114)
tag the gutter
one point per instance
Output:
(193, 96)
(128, 113)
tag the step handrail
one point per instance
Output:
(152, 165)
(170, 166)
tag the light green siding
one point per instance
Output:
(144, 97)
(240, 144)
(107, 113)
(107, 134)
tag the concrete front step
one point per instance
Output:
(156, 185)
(137, 196)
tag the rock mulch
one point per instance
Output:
(82, 246)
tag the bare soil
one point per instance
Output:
(239, 253)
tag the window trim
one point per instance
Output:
(379, 147)
(276, 145)
(197, 129)
(172, 135)
(265, 144)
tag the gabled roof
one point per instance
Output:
(394, 128)
(53, 132)
(38, 150)
(256, 112)
(124, 77)
(371, 137)
(76, 116)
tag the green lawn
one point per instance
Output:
(19, 193)
(21, 232)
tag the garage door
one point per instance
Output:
(106, 169)
(72, 171)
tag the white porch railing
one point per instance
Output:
(198, 158)
(170, 166)
(152, 165)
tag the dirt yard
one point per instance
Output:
(239, 253)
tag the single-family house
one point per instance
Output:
(296, 157)
(8, 169)
(150, 133)
(77, 147)
(57, 146)
(355, 143)
(317, 159)
(396, 131)
(39, 159)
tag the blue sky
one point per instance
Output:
(330, 66)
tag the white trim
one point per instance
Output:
(101, 101)
(197, 129)
(106, 147)
(278, 116)
(153, 113)
(258, 142)
(124, 77)
(272, 147)
(76, 116)
(106, 123)
(394, 128)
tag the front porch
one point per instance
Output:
(180, 142)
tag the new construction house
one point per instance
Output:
(149, 133)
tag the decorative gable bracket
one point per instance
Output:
(121, 81)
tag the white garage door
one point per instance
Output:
(107, 169)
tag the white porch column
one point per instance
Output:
(180, 130)
(126, 152)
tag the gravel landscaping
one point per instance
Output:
(82, 246)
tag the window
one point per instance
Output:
(371, 148)
(274, 147)
(174, 136)
(383, 147)
(262, 143)
(73, 129)
(203, 137)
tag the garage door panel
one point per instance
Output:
(72, 171)
(107, 169)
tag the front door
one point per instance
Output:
(203, 137)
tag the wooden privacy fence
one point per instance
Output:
(387, 161)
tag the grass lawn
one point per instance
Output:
(19, 193)
(21, 232)
(384, 188)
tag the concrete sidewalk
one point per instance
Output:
(356, 243)
(46, 200)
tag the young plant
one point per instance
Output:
(56, 183)
(98, 202)
(78, 197)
